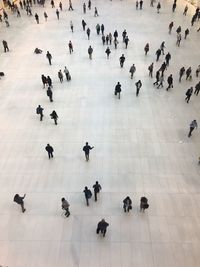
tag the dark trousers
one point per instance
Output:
(87, 157)
(67, 213)
(187, 99)
(196, 92)
(87, 201)
(22, 206)
(41, 116)
(50, 98)
(6, 49)
(50, 154)
(55, 120)
(190, 132)
(95, 195)
(49, 61)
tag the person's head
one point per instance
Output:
(16, 195)
(86, 143)
(48, 144)
(86, 188)
(62, 199)
(96, 182)
(103, 220)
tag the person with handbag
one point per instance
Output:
(127, 204)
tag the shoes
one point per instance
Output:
(23, 210)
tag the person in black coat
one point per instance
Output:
(44, 80)
(189, 94)
(50, 94)
(87, 149)
(102, 227)
(143, 204)
(170, 82)
(138, 85)
(122, 60)
(118, 89)
(127, 204)
(49, 150)
(20, 201)
(54, 116)
(39, 111)
(49, 57)
(88, 195)
(97, 188)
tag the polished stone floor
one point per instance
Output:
(141, 143)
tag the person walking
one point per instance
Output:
(52, 4)
(88, 194)
(50, 94)
(110, 38)
(39, 111)
(90, 51)
(193, 125)
(122, 60)
(185, 10)
(197, 88)
(141, 4)
(44, 80)
(118, 89)
(37, 18)
(103, 38)
(158, 53)
(186, 33)
(60, 6)
(127, 204)
(83, 24)
(65, 206)
(126, 40)
(138, 85)
(124, 33)
(49, 150)
(197, 71)
(98, 28)
(57, 14)
(5, 46)
(70, 5)
(162, 47)
(161, 80)
(102, 227)
(108, 52)
(181, 73)
(163, 68)
(67, 74)
(158, 7)
(70, 47)
(174, 6)
(115, 43)
(20, 201)
(170, 82)
(97, 188)
(144, 204)
(146, 49)
(189, 94)
(84, 8)
(188, 73)
(71, 26)
(171, 25)
(45, 16)
(49, 82)
(88, 33)
(96, 14)
(157, 78)
(49, 57)
(54, 116)
(102, 29)
(60, 76)
(167, 59)
(87, 149)
(115, 34)
(150, 69)
(132, 70)
(89, 4)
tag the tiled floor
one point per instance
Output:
(141, 144)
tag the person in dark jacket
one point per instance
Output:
(102, 29)
(20, 201)
(90, 51)
(88, 33)
(167, 58)
(88, 195)
(49, 81)
(83, 24)
(143, 204)
(138, 85)
(65, 206)
(44, 80)
(189, 94)
(49, 57)
(54, 116)
(127, 204)
(102, 227)
(49, 150)
(193, 125)
(118, 89)
(181, 73)
(108, 52)
(158, 53)
(39, 111)
(170, 82)
(122, 60)
(50, 94)
(188, 73)
(157, 78)
(97, 188)
(5, 46)
(87, 149)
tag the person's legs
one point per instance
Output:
(22, 206)
(190, 132)
(95, 196)
(87, 201)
